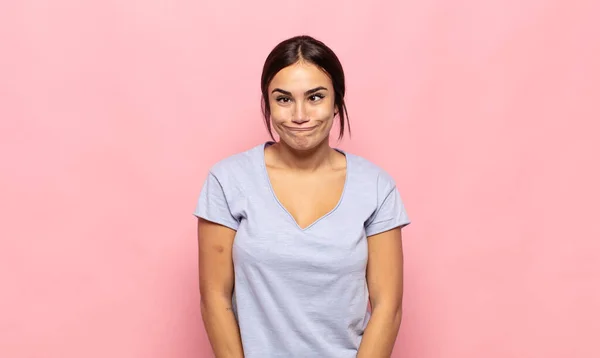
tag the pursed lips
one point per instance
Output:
(301, 129)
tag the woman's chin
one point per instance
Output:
(303, 143)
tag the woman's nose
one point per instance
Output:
(299, 116)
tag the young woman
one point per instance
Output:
(296, 237)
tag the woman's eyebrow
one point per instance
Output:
(316, 89)
(310, 91)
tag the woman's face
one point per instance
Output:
(302, 105)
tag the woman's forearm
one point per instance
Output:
(381, 332)
(221, 326)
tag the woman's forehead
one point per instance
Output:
(300, 77)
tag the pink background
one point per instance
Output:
(486, 112)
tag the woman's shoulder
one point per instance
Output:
(368, 169)
(238, 164)
(371, 176)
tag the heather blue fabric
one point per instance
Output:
(299, 292)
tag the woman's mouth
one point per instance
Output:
(301, 129)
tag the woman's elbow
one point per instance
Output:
(391, 307)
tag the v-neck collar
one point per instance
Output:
(261, 153)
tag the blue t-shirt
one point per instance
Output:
(299, 292)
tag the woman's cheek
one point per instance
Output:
(279, 114)
(322, 113)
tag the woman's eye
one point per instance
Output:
(282, 99)
(316, 97)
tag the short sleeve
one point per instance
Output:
(390, 212)
(212, 204)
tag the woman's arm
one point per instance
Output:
(384, 278)
(216, 288)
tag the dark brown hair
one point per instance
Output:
(305, 48)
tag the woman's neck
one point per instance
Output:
(302, 160)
